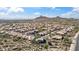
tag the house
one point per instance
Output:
(62, 32)
(57, 37)
(43, 33)
(32, 32)
(30, 37)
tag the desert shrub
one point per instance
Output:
(76, 29)
(5, 40)
(17, 49)
(1, 43)
(6, 36)
(17, 39)
(67, 41)
(46, 46)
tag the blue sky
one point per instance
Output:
(32, 12)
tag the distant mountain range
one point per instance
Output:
(52, 18)
(40, 18)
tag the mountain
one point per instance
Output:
(42, 18)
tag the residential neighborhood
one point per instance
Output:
(46, 34)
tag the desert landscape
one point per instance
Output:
(39, 34)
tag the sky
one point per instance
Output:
(33, 12)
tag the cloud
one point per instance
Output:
(11, 9)
(2, 14)
(11, 12)
(76, 9)
(72, 14)
(15, 9)
(3, 8)
(3, 11)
